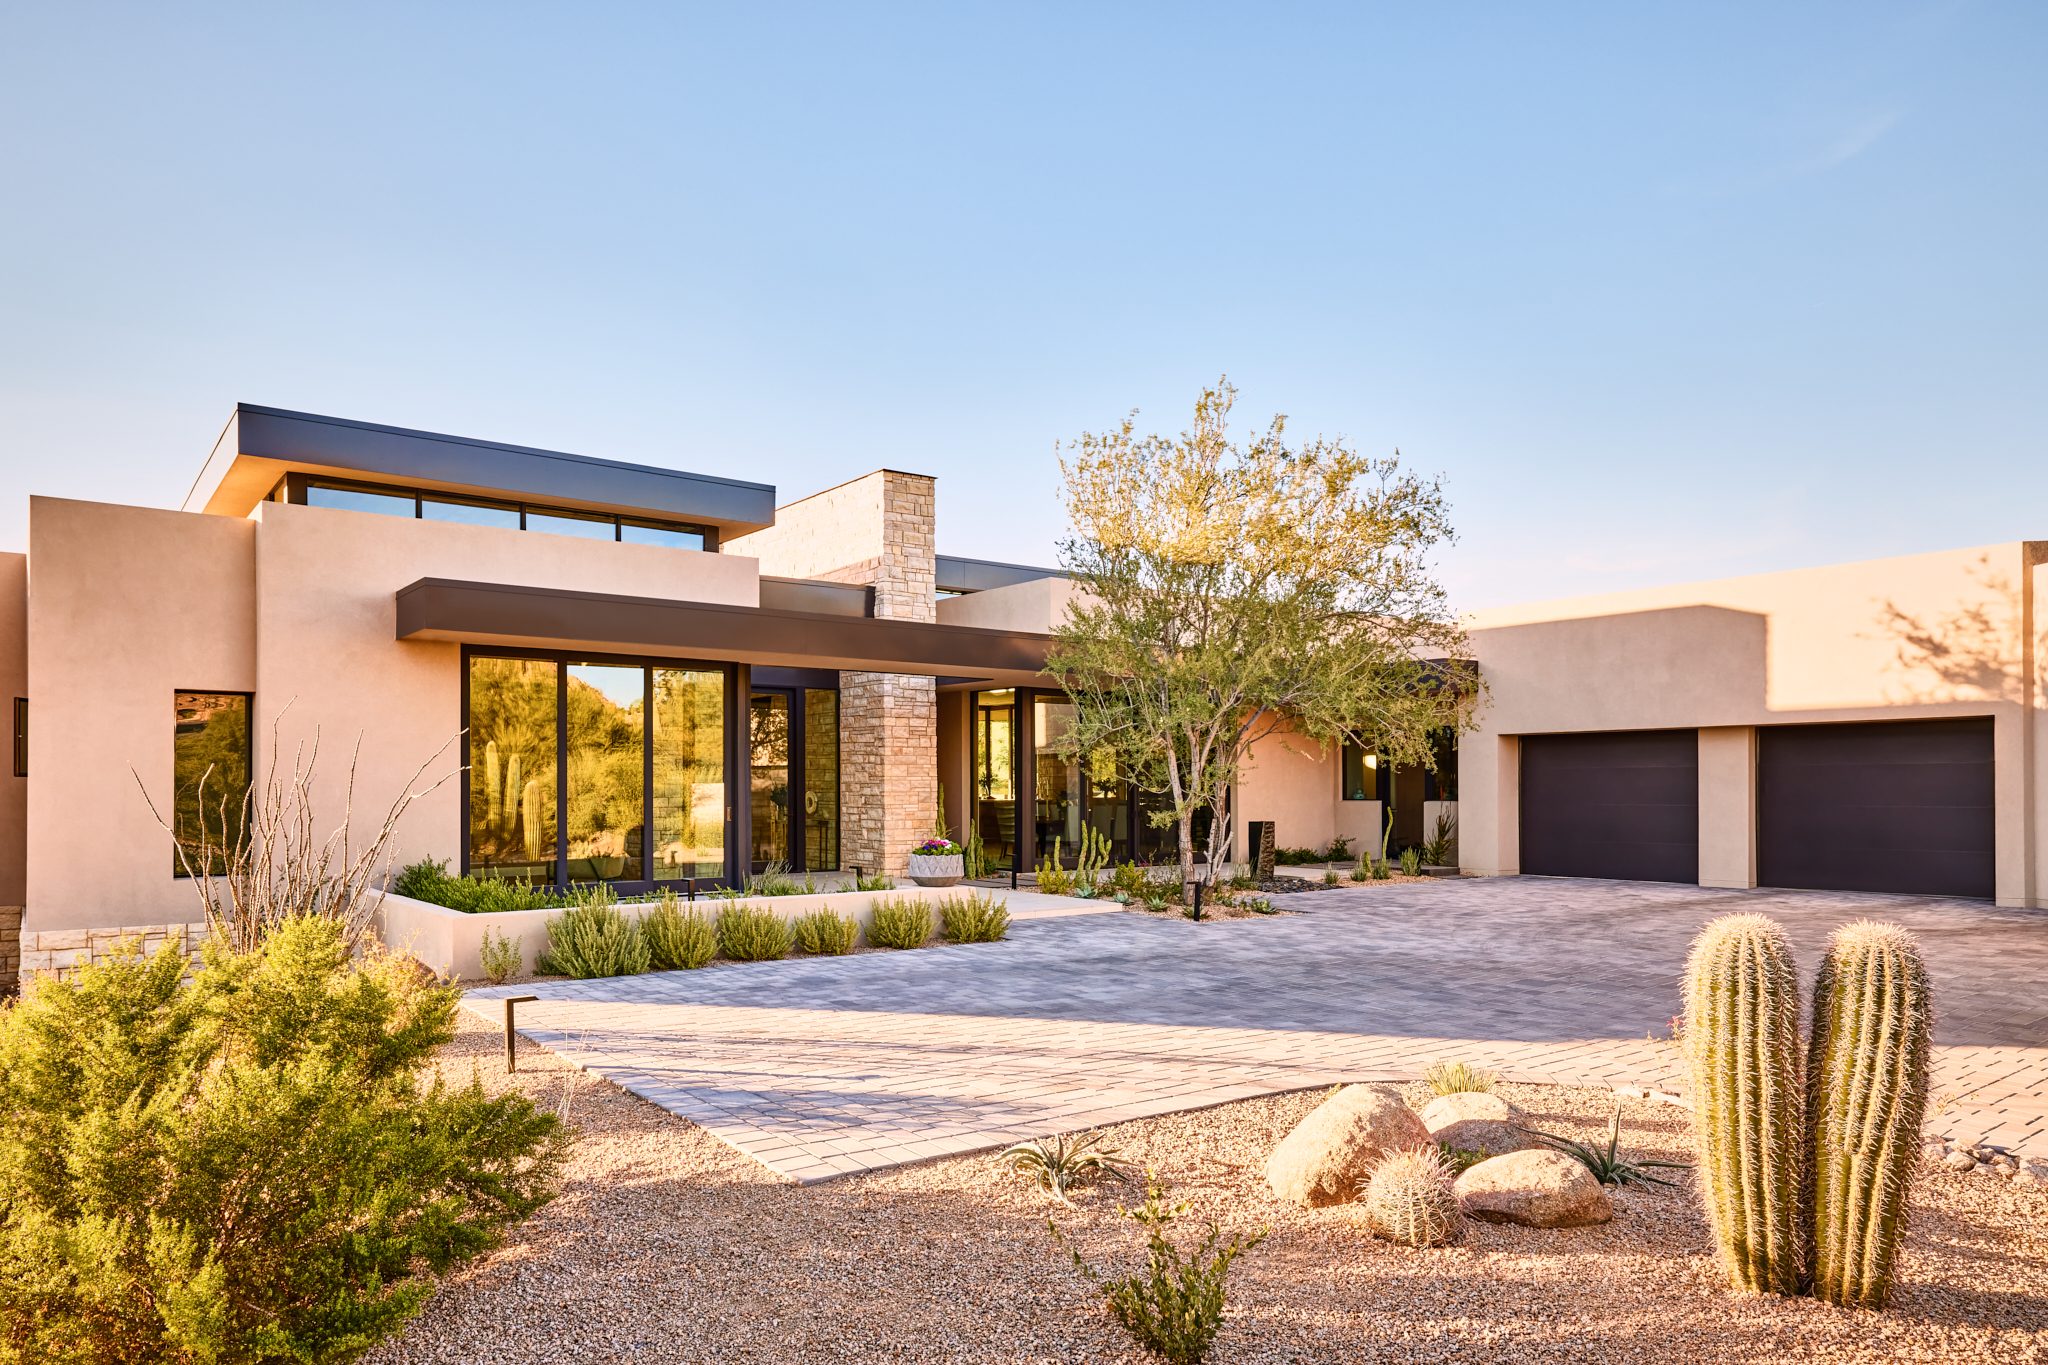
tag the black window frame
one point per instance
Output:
(734, 742)
(294, 487)
(1378, 768)
(21, 736)
(180, 872)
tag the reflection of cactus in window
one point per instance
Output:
(511, 803)
(493, 793)
(530, 803)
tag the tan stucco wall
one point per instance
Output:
(328, 658)
(127, 605)
(1292, 781)
(1919, 636)
(13, 683)
(1037, 606)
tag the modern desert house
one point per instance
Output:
(649, 676)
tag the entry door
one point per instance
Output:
(769, 733)
(1620, 804)
(1897, 806)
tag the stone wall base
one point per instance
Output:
(10, 948)
(63, 951)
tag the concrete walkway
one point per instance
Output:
(1085, 1016)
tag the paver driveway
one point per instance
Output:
(823, 1066)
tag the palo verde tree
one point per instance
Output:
(1228, 590)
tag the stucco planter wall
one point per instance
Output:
(449, 941)
(938, 869)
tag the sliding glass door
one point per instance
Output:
(586, 770)
(793, 747)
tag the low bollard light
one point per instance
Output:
(512, 1038)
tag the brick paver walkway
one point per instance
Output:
(823, 1066)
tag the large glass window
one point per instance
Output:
(1361, 771)
(470, 513)
(573, 524)
(512, 742)
(607, 757)
(689, 773)
(654, 533)
(1056, 779)
(360, 500)
(1109, 802)
(821, 778)
(211, 771)
(995, 775)
(768, 777)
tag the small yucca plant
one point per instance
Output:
(1607, 1164)
(1459, 1078)
(1061, 1163)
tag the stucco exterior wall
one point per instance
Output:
(1292, 781)
(1037, 606)
(328, 660)
(13, 683)
(1920, 636)
(127, 605)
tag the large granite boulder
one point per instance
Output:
(1328, 1156)
(1472, 1122)
(1536, 1189)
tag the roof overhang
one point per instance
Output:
(261, 445)
(509, 615)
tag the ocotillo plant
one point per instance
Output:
(1867, 1076)
(1743, 1048)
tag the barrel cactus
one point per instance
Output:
(1408, 1198)
(1743, 1050)
(1867, 1073)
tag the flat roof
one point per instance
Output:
(259, 445)
(959, 574)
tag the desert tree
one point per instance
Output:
(1225, 590)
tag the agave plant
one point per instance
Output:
(1062, 1162)
(1607, 1164)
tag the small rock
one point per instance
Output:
(1476, 1123)
(1536, 1189)
(1327, 1157)
(1960, 1161)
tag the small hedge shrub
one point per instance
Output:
(593, 937)
(428, 880)
(678, 939)
(501, 956)
(899, 922)
(752, 933)
(826, 933)
(974, 918)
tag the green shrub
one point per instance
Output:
(1382, 870)
(876, 881)
(1053, 878)
(1411, 862)
(428, 880)
(1061, 1163)
(974, 918)
(1129, 879)
(1176, 1307)
(1332, 877)
(1296, 857)
(900, 922)
(775, 880)
(826, 932)
(1459, 1078)
(1441, 848)
(678, 938)
(753, 933)
(593, 937)
(1339, 850)
(1362, 871)
(246, 1165)
(1458, 1160)
(501, 956)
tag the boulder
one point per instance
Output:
(1539, 1188)
(1327, 1157)
(1473, 1122)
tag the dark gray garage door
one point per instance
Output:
(1620, 804)
(1901, 806)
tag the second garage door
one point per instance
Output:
(1899, 806)
(1623, 804)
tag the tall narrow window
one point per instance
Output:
(606, 755)
(995, 775)
(210, 766)
(1056, 782)
(512, 720)
(1362, 771)
(689, 773)
(821, 779)
(21, 736)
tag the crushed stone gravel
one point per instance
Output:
(666, 1245)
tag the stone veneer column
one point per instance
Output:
(10, 948)
(888, 723)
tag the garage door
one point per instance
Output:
(1901, 806)
(1620, 804)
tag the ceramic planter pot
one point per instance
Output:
(937, 869)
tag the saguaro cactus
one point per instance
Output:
(494, 794)
(529, 803)
(1743, 1049)
(1868, 1074)
(515, 788)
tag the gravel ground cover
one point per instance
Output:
(666, 1245)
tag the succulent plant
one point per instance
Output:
(1743, 1050)
(1408, 1198)
(1868, 1077)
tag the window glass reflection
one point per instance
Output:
(470, 513)
(606, 756)
(569, 524)
(359, 500)
(689, 773)
(512, 738)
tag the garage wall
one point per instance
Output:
(1946, 634)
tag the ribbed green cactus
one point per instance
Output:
(529, 802)
(514, 789)
(494, 795)
(1408, 1198)
(1743, 1048)
(1867, 1075)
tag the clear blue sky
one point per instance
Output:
(1665, 291)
